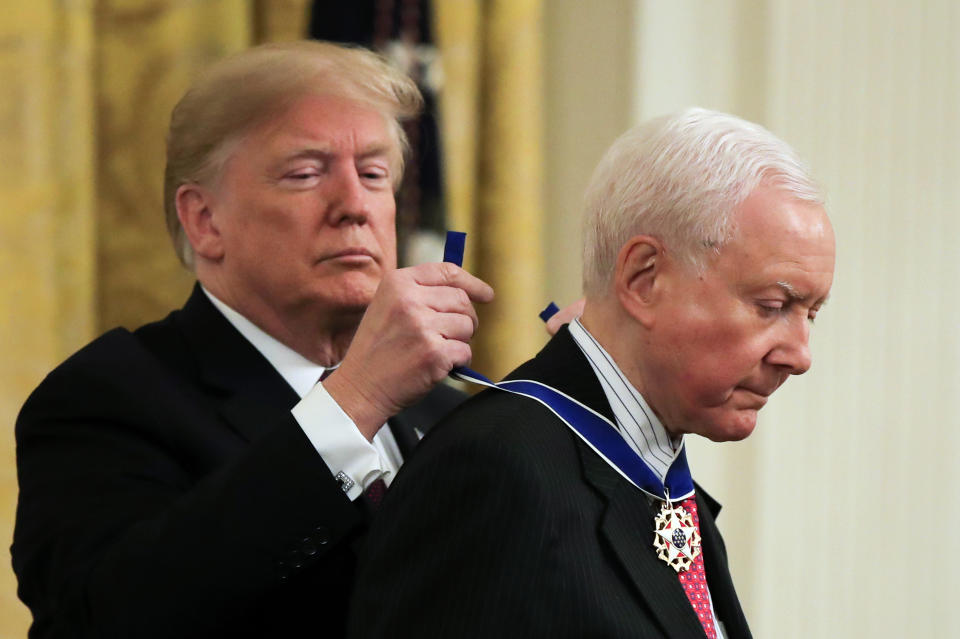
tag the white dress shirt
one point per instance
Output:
(349, 456)
(636, 422)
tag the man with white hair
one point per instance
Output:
(191, 478)
(561, 504)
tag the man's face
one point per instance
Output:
(305, 209)
(725, 340)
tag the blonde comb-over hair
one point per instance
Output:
(238, 93)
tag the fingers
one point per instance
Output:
(447, 299)
(564, 316)
(454, 326)
(459, 354)
(447, 274)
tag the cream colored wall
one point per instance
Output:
(588, 102)
(840, 510)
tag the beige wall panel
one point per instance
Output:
(589, 96)
(46, 222)
(510, 215)
(147, 54)
(865, 447)
(458, 28)
(827, 505)
(281, 20)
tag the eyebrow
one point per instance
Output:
(324, 152)
(794, 294)
(375, 150)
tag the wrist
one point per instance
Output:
(363, 408)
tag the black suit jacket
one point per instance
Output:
(167, 491)
(506, 524)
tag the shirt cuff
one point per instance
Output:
(353, 460)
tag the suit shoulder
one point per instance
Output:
(107, 352)
(502, 427)
(443, 399)
(117, 360)
(438, 403)
(119, 347)
(501, 413)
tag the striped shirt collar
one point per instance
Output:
(637, 423)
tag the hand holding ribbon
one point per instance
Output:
(417, 328)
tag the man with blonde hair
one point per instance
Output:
(561, 504)
(192, 478)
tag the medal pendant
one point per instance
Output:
(675, 537)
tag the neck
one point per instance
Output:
(606, 323)
(317, 339)
(622, 337)
(320, 335)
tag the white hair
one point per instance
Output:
(679, 178)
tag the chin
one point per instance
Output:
(740, 427)
(353, 303)
(353, 292)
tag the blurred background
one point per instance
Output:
(841, 511)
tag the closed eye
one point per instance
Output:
(374, 173)
(772, 307)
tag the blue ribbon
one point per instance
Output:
(549, 311)
(453, 247)
(595, 429)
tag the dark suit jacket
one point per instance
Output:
(506, 524)
(166, 491)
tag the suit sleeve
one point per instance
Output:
(462, 540)
(122, 532)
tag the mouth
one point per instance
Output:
(757, 396)
(354, 255)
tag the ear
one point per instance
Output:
(196, 216)
(637, 277)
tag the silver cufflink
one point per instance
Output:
(345, 482)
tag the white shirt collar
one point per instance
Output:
(636, 421)
(299, 372)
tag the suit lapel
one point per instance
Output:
(627, 521)
(627, 526)
(404, 433)
(415, 421)
(252, 390)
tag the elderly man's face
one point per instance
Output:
(305, 208)
(726, 339)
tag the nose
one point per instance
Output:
(792, 350)
(347, 198)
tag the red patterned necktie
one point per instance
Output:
(375, 492)
(694, 579)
